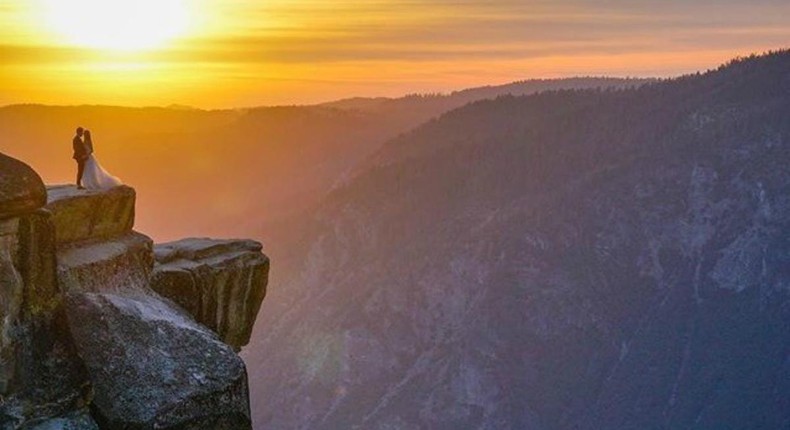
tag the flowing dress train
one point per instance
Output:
(96, 178)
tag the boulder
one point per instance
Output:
(81, 215)
(153, 366)
(221, 283)
(118, 264)
(21, 189)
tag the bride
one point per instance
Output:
(94, 177)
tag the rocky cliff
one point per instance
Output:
(219, 282)
(88, 343)
(41, 375)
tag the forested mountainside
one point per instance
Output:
(572, 259)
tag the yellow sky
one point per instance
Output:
(212, 53)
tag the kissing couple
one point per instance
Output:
(90, 174)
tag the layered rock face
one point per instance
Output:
(82, 326)
(217, 281)
(81, 216)
(152, 365)
(41, 376)
(97, 249)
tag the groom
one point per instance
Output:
(80, 155)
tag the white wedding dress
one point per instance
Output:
(96, 178)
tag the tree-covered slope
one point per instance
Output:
(573, 259)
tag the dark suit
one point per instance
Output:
(80, 155)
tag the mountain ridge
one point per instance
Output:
(519, 86)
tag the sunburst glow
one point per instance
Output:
(231, 53)
(124, 25)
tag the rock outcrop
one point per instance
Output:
(41, 376)
(121, 263)
(86, 343)
(21, 189)
(221, 283)
(90, 215)
(153, 366)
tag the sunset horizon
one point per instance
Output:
(428, 91)
(244, 54)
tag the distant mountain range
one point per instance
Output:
(575, 259)
(243, 168)
(421, 107)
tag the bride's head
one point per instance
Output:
(86, 134)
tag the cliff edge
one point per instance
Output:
(219, 282)
(88, 342)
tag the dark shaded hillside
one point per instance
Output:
(568, 260)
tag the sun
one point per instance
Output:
(121, 25)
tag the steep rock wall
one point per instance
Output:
(91, 215)
(221, 283)
(41, 378)
(151, 364)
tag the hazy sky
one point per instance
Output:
(212, 53)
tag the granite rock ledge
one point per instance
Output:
(88, 343)
(221, 283)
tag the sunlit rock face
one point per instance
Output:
(41, 377)
(82, 215)
(221, 283)
(151, 364)
(572, 260)
(97, 248)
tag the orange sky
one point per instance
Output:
(229, 53)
